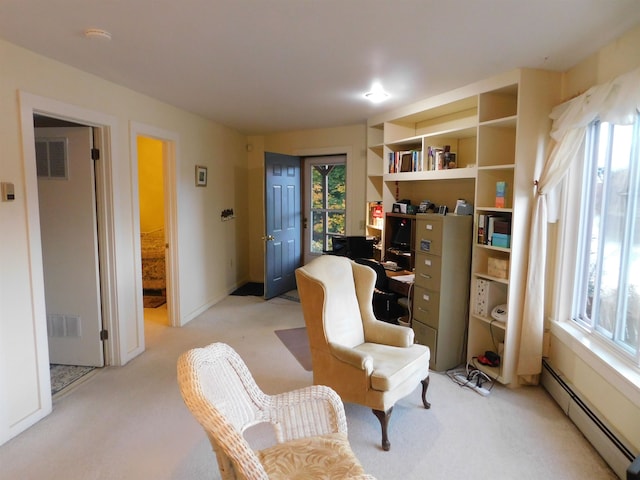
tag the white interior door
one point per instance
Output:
(68, 225)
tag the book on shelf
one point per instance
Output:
(406, 161)
(501, 193)
(490, 224)
(440, 158)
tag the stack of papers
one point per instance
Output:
(405, 278)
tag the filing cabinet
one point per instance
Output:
(441, 295)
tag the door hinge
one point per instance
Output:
(95, 154)
(104, 335)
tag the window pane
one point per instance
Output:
(318, 232)
(630, 327)
(607, 282)
(317, 187)
(613, 207)
(328, 193)
(337, 187)
(336, 223)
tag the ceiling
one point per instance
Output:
(262, 66)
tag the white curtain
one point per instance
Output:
(617, 101)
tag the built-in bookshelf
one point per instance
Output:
(494, 132)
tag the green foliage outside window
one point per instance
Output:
(328, 204)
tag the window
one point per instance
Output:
(607, 287)
(328, 202)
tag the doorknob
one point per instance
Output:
(269, 238)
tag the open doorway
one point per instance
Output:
(153, 243)
(154, 156)
(67, 202)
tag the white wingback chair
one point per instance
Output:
(309, 423)
(367, 361)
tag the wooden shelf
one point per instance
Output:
(497, 128)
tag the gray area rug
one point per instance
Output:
(291, 295)
(64, 375)
(297, 342)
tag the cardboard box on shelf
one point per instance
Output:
(498, 267)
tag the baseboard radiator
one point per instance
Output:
(609, 444)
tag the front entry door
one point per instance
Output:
(68, 227)
(282, 220)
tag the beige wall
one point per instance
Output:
(349, 139)
(212, 254)
(618, 400)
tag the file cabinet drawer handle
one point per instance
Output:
(424, 275)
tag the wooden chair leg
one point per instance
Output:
(384, 423)
(425, 385)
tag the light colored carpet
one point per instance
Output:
(130, 423)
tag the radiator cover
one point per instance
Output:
(610, 444)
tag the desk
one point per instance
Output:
(402, 285)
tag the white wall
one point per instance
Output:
(616, 398)
(212, 259)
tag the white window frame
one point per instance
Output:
(579, 313)
(595, 351)
(309, 162)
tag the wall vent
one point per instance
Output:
(609, 444)
(60, 325)
(51, 158)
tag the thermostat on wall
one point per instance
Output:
(7, 191)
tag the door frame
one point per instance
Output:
(106, 136)
(170, 149)
(307, 164)
(347, 151)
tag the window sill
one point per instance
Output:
(607, 363)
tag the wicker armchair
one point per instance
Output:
(309, 424)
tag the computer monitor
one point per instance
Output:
(402, 236)
(352, 246)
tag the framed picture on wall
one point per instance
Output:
(201, 176)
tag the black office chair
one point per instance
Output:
(351, 246)
(385, 302)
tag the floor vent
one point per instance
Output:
(605, 440)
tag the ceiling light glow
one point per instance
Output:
(376, 94)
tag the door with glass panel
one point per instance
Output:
(325, 192)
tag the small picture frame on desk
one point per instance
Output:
(201, 176)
